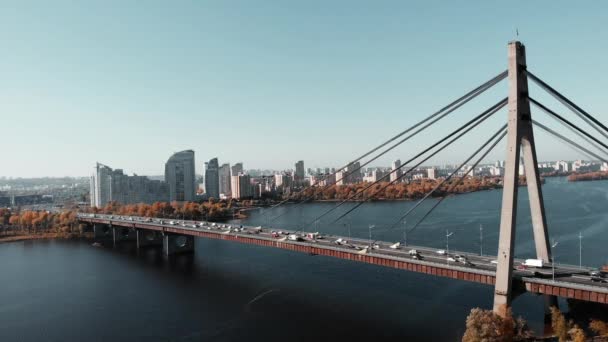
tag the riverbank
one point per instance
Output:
(38, 236)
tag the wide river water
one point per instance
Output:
(71, 291)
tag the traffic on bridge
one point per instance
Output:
(562, 280)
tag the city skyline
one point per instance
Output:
(279, 86)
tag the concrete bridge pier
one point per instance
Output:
(123, 234)
(146, 238)
(177, 244)
(102, 232)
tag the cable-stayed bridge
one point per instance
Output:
(549, 279)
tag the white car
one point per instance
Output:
(440, 252)
(340, 241)
(172, 223)
(450, 259)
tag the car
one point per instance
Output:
(522, 267)
(275, 234)
(193, 226)
(450, 259)
(340, 241)
(440, 252)
(596, 273)
(172, 223)
(416, 257)
(494, 262)
(294, 237)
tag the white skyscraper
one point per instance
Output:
(395, 174)
(179, 175)
(101, 186)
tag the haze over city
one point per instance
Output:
(269, 83)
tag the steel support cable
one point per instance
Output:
(564, 139)
(387, 150)
(457, 103)
(445, 180)
(567, 122)
(571, 105)
(474, 122)
(458, 181)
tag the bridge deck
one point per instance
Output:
(570, 282)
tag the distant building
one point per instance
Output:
(604, 167)
(224, 180)
(341, 178)
(101, 185)
(237, 169)
(212, 180)
(563, 166)
(396, 172)
(113, 185)
(282, 181)
(431, 173)
(497, 171)
(298, 175)
(373, 175)
(179, 175)
(241, 186)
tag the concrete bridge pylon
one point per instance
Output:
(520, 143)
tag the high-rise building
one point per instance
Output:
(431, 173)
(395, 170)
(237, 169)
(113, 185)
(354, 172)
(224, 180)
(179, 175)
(212, 180)
(282, 181)
(241, 186)
(101, 185)
(298, 175)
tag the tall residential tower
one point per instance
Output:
(179, 175)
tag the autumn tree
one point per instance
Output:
(559, 324)
(599, 327)
(485, 325)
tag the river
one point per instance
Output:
(71, 291)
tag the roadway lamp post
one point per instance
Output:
(481, 239)
(371, 226)
(404, 233)
(580, 250)
(447, 244)
(555, 243)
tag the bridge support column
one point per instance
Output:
(101, 231)
(147, 238)
(520, 137)
(123, 234)
(177, 244)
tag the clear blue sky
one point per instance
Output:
(267, 83)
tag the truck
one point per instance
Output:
(533, 263)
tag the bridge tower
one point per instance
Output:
(520, 137)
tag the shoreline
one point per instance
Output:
(42, 236)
